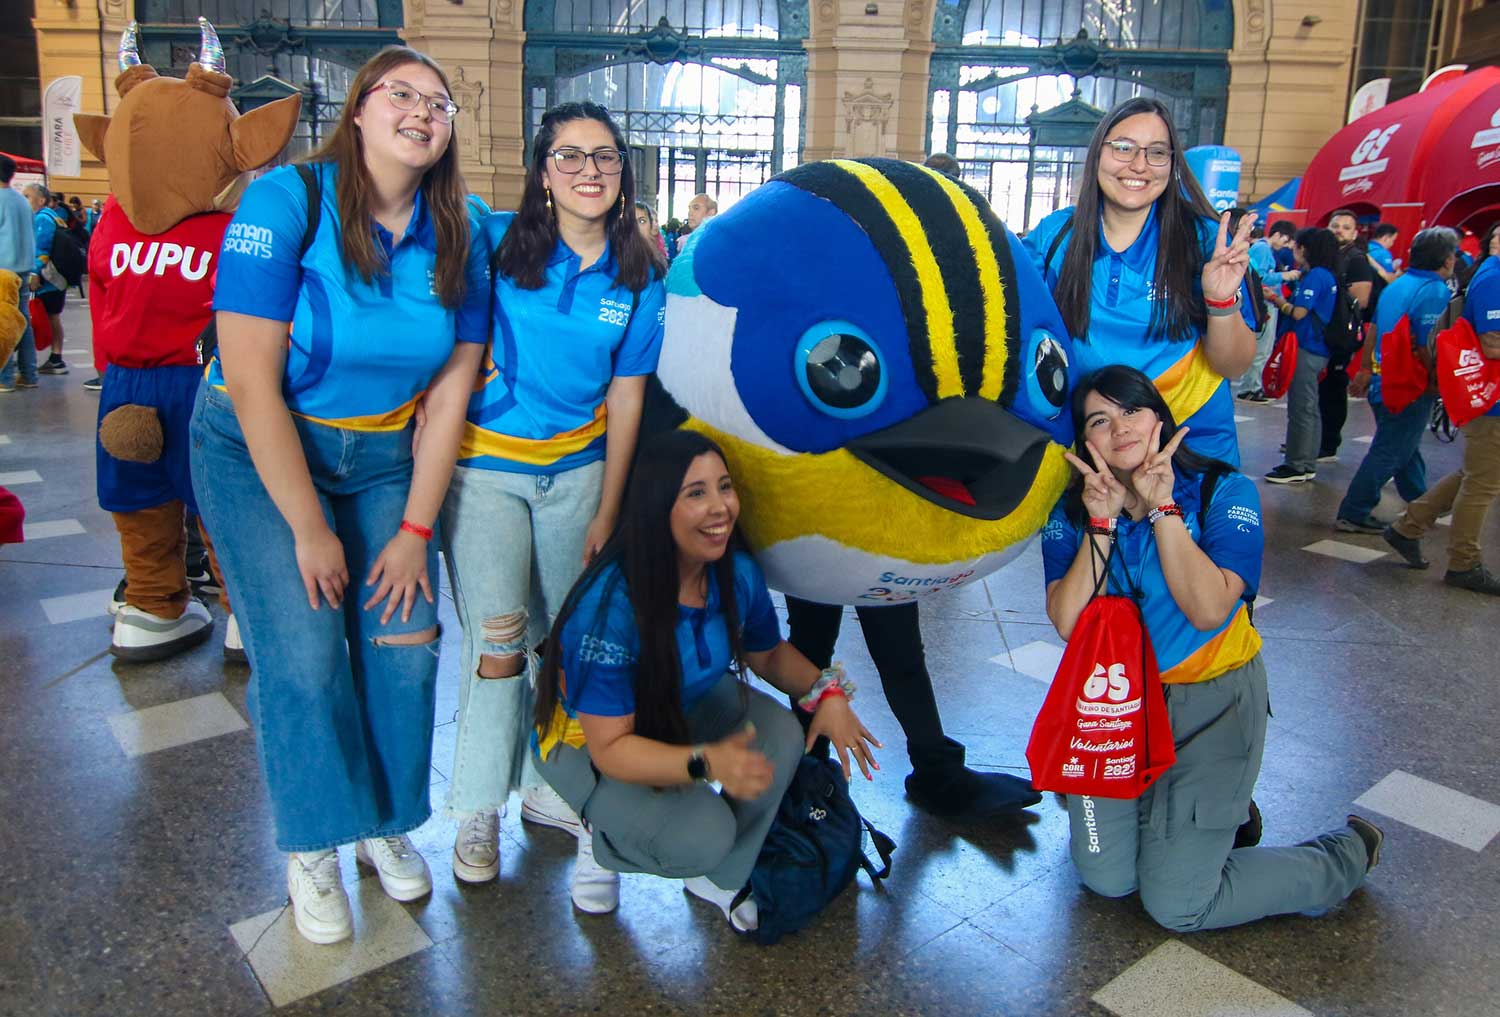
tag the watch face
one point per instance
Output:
(697, 768)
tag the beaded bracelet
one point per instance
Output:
(1161, 512)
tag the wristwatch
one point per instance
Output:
(697, 766)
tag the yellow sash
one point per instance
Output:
(1189, 384)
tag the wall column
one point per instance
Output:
(82, 40)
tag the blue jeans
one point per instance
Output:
(514, 546)
(25, 354)
(1395, 451)
(1176, 842)
(343, 719)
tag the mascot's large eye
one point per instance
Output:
(838, 369)
(1051, 369)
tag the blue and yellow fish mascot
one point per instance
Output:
(886, 372)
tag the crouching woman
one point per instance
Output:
(1139, 495)
(643, 699)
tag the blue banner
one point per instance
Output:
(1217, 168)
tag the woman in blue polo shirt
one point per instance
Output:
(1137, 504)
(577, 302)
(1309, 311)
(643, 699)
(304, 467)
(1155, 284)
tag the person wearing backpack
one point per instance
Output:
(1418, 299)
(49, 224)
(1310, 311)
(1354, 308)
(1193, 563)
(643, 699)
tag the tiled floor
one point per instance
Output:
(142, 878)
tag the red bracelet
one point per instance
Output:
(1097, 525)
(1220, 304)
(1171, 508)
(422, 531)
(832, 690)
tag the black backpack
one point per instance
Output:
(1344, 332)
(68, 256)
(208, 339)
(812, 851)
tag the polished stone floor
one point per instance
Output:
(140, 874)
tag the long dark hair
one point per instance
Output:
(1484, 255)
(528, 244)
(443, 187)
(1178, 311)
(645, 554)
(1320, 248)
(1133, 390)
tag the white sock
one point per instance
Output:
(745, 918)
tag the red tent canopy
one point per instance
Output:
(25, 165)
(1382, 158)
(1465, 181)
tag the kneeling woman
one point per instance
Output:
(643, 698)
(1142, 492)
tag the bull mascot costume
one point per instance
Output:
(178, 155)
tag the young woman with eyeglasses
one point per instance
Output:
(1143, 277)
(577, 302)
(304, 466)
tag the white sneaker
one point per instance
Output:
(142, 636)
(476, 850)
(402, 871)
(744, 918)
(320, 906)
(596, 890)
(234, 646)
(546, 807)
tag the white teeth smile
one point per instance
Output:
(415, 135)
(1134, 185)
(716, 531)
(589, 190)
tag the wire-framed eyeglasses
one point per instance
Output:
(569, 160)
(405, 97)
(1124, 150)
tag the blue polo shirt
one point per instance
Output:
(1421, 297)
(601, 644)
(1123, 297)
(360, 353)
(1317, 291)
(45, 223)
(1231, 537)
(1482, 304)
(1382, 257)
(541, 406)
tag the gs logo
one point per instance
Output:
(1112, 683)
(1369, 149)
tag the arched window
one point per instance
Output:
(708, 92)
(1017, 85)
(274, 47)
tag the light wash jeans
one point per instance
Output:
(1265, 339)
(514, 543)
(1176, 842)
(25, 355)
(1304, 422)
(343, 719)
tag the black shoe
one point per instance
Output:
(1351, 526)
(1373, 837)
(1406, 547)
(970, 794)
(95, 383)
(1258, 397)
(1478, 579)
(1287, 474)
(1248, 835)
(54, 365)
(1247, 393)
(201, 577)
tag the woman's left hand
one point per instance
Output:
(1154, 480)
(835, 719)
(397, 574)
(1225, 271)
(598, 532)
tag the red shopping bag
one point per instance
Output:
(41, 325)
(1103, 729)
(1276, 376)
(1468, 381)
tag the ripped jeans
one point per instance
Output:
(343, 717)
(514, 547)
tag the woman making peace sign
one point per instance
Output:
(1141, 495)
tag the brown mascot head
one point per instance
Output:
(176, 147)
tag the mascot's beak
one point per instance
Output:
(968, 455)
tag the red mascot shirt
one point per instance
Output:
(151, 296)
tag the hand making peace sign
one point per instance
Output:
(1153, 480)
(1103, 494)
(1225, 271)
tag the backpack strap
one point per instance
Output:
(1056, 243)
(314, 187)
(884, 847)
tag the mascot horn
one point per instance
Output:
(885, 370)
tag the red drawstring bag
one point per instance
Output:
(41, 325)
(1403, 378)
(1468, 381)
(1276, 376)
(1103, 729)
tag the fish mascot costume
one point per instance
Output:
(888, 377)
(178, 155)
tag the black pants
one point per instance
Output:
(893, 636)
(1333, 402)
